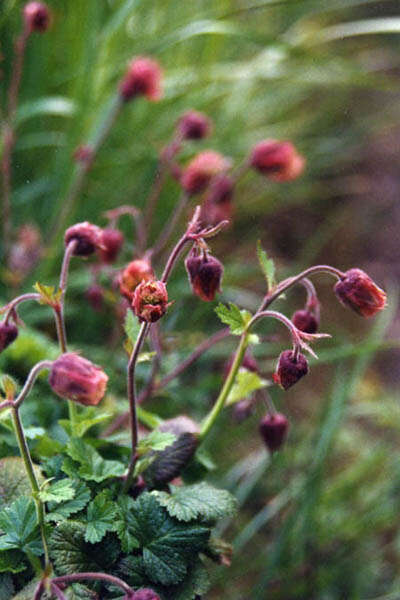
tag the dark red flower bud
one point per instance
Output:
(145, 594)
(37, 17)
(290, 370)
(95, 297)
(279, 161)
(76, 378)
(357, 290)
(205, 275)
(111, 242)
(194, 125)
(137, 271)
(142, 78)
(243, 410)
(305, 321)
(8, 333)
(201, 169)
(150, 301)
(273, 430)
(87, 235)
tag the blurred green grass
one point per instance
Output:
(321, 520)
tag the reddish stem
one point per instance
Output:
(93, 577)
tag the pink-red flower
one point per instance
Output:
(142, 78)
(111, 243)
(76, 378)
(305, 320)
(150, 301)
(134, 273)
(88, 237)
(277, 160)
(36, 16)
(357, 290)
(201, 169)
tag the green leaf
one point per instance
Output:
(92, 466)
(50, 105)
(48, 294)
(167, 546)
(131, 326)
(100, 517)
(132, 571)
(199, 501)
(195, 584)
(58, 491)
(14, 481)
(86, 420)
(70, 507)
(267, 266)
(246, 383)
(156, 440)
(6, 587)
(233, 317)
(12, 561)
(8, 386)
(125, 523)
(71, 554)
(19, 524)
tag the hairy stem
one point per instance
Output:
(40, 366)
(25, 454)
(93, 577)
(226, 388)
(11, 306)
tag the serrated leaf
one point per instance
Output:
(231, 316)
(167, 546)
(246, 383)
(71, 554)
(86, 421)
(58, 491)
(156, 440)
(267, 266)
(19, 525)
(92, 466)
(14, 481)
(12, 561)
(99, 517)
(198, 501)
(132, 570)
(124, 525)
(70, 507)
(131, 326)
(195, 584)
(48, 294)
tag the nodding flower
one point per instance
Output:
(150, 301)
(135, 272)
(142, 78)
(111, 242)
(194, 125)
(273, 430)
(76, 378)
(8, 333)
(205, 275)
(88, 236)
(357, 291)
(290, 369)
(201, 169)
(277, 160)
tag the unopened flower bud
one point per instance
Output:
(279, 161)
(273, 430)
(111, 242)
(205, 275)
(305, 320)
(142, 78)
(150, 301)
(8, 333)
(36, 16)
(201, 169)
(290, 369)
(95, 297)
(243, 410)
(76, 378)
(145, 594)
(87, 235)
(194, 125)
(357, 290)
(137, 271)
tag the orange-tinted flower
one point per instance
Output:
(357, 290)
(137, 271)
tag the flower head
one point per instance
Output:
(111, 242)
(136, 271)
(150, 301)
(88, 236)
(305, 321)
(194, 125)
(36, 16)
(142, 78)
(201, 169)
(357, 290)
(279, 161)
(8, 333)
(76, 378)
(290, 369)
(273, 430)
(205, 275)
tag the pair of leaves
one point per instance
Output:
(48, 294)
(88, 464)
(198, 501)
(168, 546)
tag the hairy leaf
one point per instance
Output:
(232, 316)
(70, 507)
(156, 440)
(58, 491)
(19, 524)
(92, 466)
(198, 501)
(14, 481)
(100, 517)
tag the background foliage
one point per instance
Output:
(321, 519)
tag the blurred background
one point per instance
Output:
(321, 519)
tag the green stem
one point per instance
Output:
(25, 454)
(226, 388)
